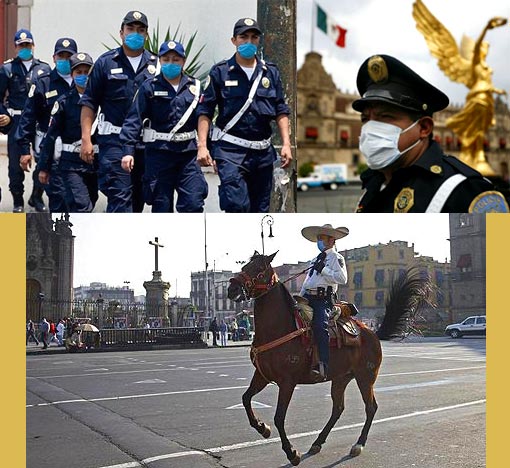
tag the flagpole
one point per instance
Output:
(314, 20)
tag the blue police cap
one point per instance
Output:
(65, 44)
(384, 78)
(246, 24)
(23, 36)
(81, 58)
(135, 17)
(174, 46)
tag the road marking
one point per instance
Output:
(150, 381)
(242, 445)
(391, 388)
(254, 405)
(433, 371)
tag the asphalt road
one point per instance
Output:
(343, 200)
(181, 408)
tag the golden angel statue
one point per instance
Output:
(466, 65)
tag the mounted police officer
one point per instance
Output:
(79, 177)
(328, 270)
(113, 83)
(164, 108)
(249, 95)
(16, 77)
(408, 171)
(33, 125)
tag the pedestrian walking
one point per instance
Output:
(31, 332)
(44, 328)
(223, 333)
(213, 328)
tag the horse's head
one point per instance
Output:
(255, 278)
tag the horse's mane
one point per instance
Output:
(408, 294)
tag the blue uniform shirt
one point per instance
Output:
(228, 87)
(158, 101)
(112, 85)
(64, 123)
(47, 88)
(15, 81)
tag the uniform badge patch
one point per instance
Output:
(137, 15)
(377, 69)
(66, 43)
(81, 56)
(404, 200)
(436, 169)
(193, 89)
(231, 83)
(54, 110)
(151, 69)
(265, 82)
(31, 91)
(489, 202)
(171, 45)
(249, 22)
(207, 82)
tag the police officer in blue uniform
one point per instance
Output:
(16, 78)
(165, 109)
(79, 177)
(114, 80)
(249, 95)
(408, 172)
(33, 125)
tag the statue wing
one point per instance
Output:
(442, 45)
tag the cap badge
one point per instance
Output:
(404, 201)
(66, 43)
(23, 35)
(424, 107)
(81, 57)
(436, 169)
(249, 22)
(265, 82)
(377, 69)
(137, 15)
(171, 45)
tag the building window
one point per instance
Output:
(379, 255)
(358, 280)
(379, 298)
(355, 159)
(439, 278)
(312, 133)
(401, 254)
(358, 298)
(379, 278)
(464, 263)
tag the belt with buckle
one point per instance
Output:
(218, 135)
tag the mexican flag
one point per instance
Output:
(328, 26)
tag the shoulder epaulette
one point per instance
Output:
(461, 167)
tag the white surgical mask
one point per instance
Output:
(379, 143)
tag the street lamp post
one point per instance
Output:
(127, 283)
(268, 219)
(40, 296)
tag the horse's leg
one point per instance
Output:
(257, 384)
(337, 395)
(365, 383)
(284, 395)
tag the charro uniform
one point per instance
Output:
(112, 86)
(169, 121)
(15, 81)
(79, 178)
(435, 182)
(35, 119)
(328, 270)
(243, 152)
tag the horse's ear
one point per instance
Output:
(270, 257)
(255, 253)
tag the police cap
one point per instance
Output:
(246, 24)
(135, 17)
(81, 58)
(23, 36)
(177, 47)
(384, 78)
(65, 44)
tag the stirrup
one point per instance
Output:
(320, 371)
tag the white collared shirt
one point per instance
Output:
(333, 274)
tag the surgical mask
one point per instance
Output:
(379, 143)
(81, 80)
(25, 54)
(171, 70)
(321, 245)
(63, 67)
(135, 41)
(247, 50)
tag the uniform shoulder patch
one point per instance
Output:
(8, 61)
(489, 202)
(207, 82)
(31, 91)
(55, 108)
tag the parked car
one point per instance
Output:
(475, 325)
(327, 176)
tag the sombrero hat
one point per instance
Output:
(311, 232)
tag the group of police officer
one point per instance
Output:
(138, 136)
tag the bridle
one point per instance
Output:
(259, 285)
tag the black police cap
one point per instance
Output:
(135, 17)
(246, 24)
(81, 58)
(384, 78)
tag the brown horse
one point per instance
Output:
(280, 356)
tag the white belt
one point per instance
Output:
(149, 135)
(217, 135)
(76, 147)
(106, 128)
(13, 112)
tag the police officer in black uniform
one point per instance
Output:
(16, 78)
(408, 171)
(249, 95)
(35, 119)
(165, 109)
(79, 177)
(113, 83)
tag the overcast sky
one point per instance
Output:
(387, 27)
(115, 248)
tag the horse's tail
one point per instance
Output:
(408, 294)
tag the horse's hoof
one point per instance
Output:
(356, 450)
(266, 431)
(296, 460)
(314, 449)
